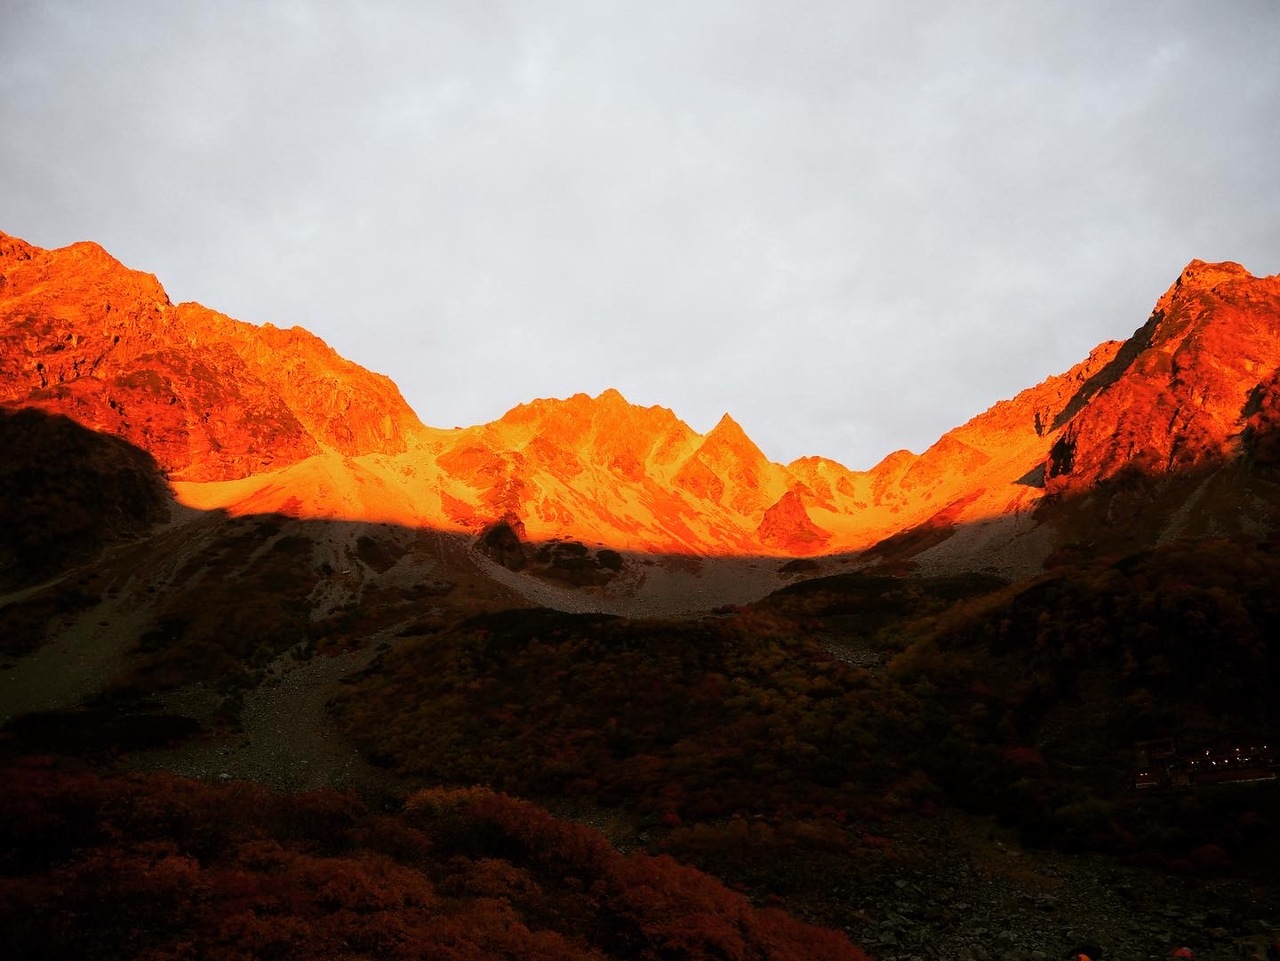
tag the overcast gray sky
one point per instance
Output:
(852, 225)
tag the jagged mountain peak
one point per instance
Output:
(1185, 382)
(612, 397)
(580, 406)
(606, 428)
(727, 425)
(727, 438)
(1201, 274)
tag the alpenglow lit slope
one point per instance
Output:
(257, 419)
(210, 397)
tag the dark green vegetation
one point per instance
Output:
(161, 867)
(679, 720)
(751, 732)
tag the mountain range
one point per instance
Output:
(900, 702)
(255, 419)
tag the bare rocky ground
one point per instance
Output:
(651, 587)
(285, 737)
(960, 888)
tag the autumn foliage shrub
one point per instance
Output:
(1022, 701)
(649, 907)
(693, 719)
(160, 867)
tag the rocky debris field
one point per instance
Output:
(960, 890)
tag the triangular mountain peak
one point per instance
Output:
(727, 426)
(612, 397)
(728, 434)
(728, 439)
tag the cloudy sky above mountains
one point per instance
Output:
(851, 225)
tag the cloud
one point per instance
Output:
(851, 225)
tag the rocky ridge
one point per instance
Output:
(257, 419)
(211, 398)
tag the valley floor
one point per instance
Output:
(947, 887)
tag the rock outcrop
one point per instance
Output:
(787, 525)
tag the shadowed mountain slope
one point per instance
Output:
(65, 492)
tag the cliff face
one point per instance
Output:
(211, 398)
(261, 419)
(1182, 388)
(1170, 433)
(786, 525)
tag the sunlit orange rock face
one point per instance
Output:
(211, 398)
(256, 419)
(604, 470)
(1184, 385)
(786, 525)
